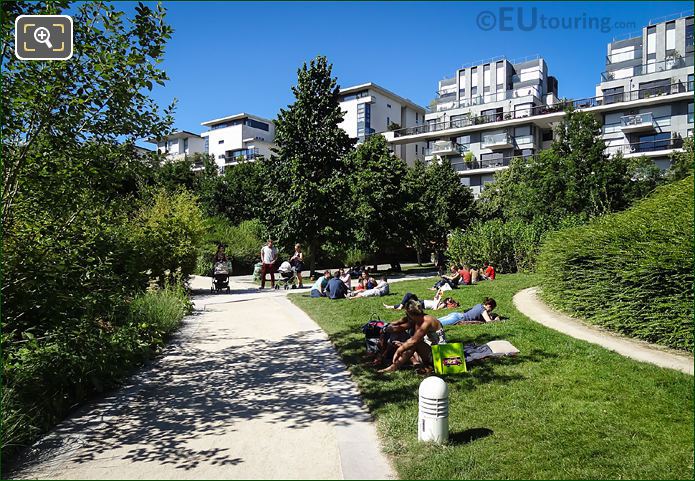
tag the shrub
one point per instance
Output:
(167, 232)
(44, 377)
(509, 246)
(243, 241)
(631, 272)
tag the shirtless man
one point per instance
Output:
(425, 327)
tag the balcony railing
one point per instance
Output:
(643, 69)
(644, 147)
(442, 104)
(578, 104)
(446, 147)
(497, 140)
(251, 154)
(638, 121)
(487, 163)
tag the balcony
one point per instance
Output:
(446, 147)
(241, 156)
(497, 141)
(652, 67)
(579, 104)
(487, 164)
(442, 103)
(637, 123)
(639, 148)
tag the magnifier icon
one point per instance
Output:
(43, 35)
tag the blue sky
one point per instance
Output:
(230, 57)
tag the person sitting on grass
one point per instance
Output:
(346, 278)
(434, 304)
(487, 272)
(319, 287)
(335, 289)
(427, 330)
(452, 280)
(381, 289)
(466, 276)
(367, 281)
(478, 314)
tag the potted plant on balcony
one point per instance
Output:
(393, 126)
(468, 158)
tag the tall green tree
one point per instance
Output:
(436, 204)
(574, 177)
(306, 172)
(376, 198)
(240, 193)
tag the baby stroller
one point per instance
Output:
(220, 276)
(288, 276)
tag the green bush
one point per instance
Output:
(631, 272)
(243, 241)
(509, 246)
(44, 377)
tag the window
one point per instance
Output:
(185, 144)
(649, 143)
(691, 80)
(257, 125)
(670, 36)
(652, 89)
(415, 149)
(611, 96)
(207, 145)
(690, 112)
(364, 113)
(220, 141)
(689, 39)
(388, 122)
(459, 120)
(240, 154)
(357, 95)
(547, 136)
(417, 118)
(388, 105)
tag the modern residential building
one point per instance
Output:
(179, 144)
(370, 108)
(485, 115)
(238, 137)
(647, 90)
(644, 101)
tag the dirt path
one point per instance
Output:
(527, 303)
(251, 388)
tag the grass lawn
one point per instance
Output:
(562, 408)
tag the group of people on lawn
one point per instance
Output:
(412, 335)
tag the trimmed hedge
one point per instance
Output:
(631, 272)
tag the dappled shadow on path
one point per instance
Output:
(196, 392)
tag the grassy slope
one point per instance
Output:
(561, 409)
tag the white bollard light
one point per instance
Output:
(433, 415)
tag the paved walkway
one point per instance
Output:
(527, 303)
(251, 388)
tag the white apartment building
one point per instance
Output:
(644, 101)
(483, 116)
(238, 137)
(369, 108)
(179, 144)
(648, 82)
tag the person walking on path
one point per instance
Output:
(269, 255)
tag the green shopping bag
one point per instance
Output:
(448, 358)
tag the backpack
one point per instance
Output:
(372, 334)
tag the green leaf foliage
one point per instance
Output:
(631, 272)
(306, 171)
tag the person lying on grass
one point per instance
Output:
(478, 314)
(381, 289)
(434, 304)
(426, 330)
